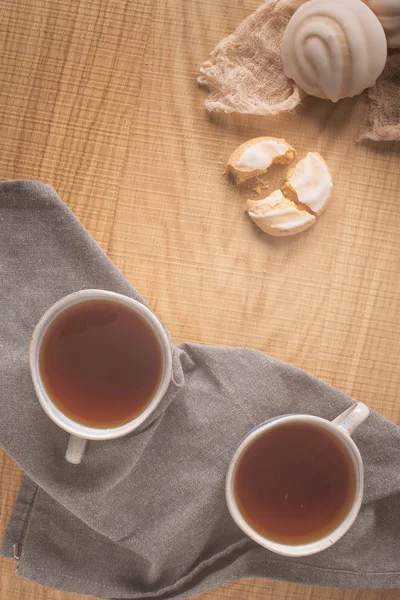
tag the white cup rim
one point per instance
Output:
(317, 545)
(55, 414)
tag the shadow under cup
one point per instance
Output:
(100, 363)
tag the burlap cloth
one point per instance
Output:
(244, 74)
(144, 516)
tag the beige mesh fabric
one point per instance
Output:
(385, 104)
(244, 73)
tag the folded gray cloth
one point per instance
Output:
(144, 516)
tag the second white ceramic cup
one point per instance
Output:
(342, 428)
(81, 433)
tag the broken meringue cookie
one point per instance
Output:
(254, 157)
(296, 208)
(277, 215)
(310, 184)
(334, 49)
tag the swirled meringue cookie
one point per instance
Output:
(277, 215)
(254, 157)
(334, 49)
(311, 183)
(388, 12)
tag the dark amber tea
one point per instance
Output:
(295, 484)
(101, 363)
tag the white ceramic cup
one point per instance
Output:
(342, 427)
(81, 433)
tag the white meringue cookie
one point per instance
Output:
(277, 215)
(334, 49)
(311, 182)
(254, 157)
(388, 12)
(261, 155)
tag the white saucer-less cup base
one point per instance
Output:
(342, 428)
(81, 433)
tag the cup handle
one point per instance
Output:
(352, 418)
(75, 449)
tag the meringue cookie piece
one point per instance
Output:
(311, 183)
(279, 216)
(334, 49)
(388, 13)
(254, 157)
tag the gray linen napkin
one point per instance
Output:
(144, 516)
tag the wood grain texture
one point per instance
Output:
(99, 98)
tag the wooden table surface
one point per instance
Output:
(99, 98)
